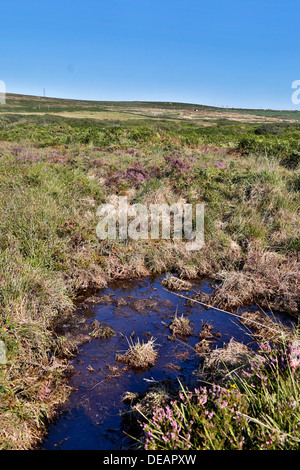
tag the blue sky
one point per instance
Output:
(232, 53)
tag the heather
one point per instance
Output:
(256, 408)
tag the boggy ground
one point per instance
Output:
(54, 175)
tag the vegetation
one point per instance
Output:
(258, 408)
(54, 173)
(180, 326)
(139, 355)
(101, 330)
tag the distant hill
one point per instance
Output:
(120, 110)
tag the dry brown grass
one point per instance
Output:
(262, 327)
(39, 392)
(203, 347)
(207, 332)
(222, 363)
(270, 280)
(180, 326)
(140, 355)
(174, 283)
(158, 395)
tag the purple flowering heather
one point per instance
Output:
(176, 164)
(221, 164)
(294, 355)
(137, 174)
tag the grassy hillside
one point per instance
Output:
(36, 104)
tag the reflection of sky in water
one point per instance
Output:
(91, 419)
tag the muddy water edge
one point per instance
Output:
(96, 416)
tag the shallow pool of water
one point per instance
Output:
(92, 418)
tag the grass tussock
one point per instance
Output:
(180, 326)
(174, 283)
(101, 330)
(140, 355)
(266, 278)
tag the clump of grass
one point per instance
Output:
(174, 283)
(157, 396)
(222, 363)
(140, 355)
(180, 326)
(207, 340)
(207, 332)
(203, 347)
(266, 278)
(101, 330)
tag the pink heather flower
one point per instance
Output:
(247, 374)
(223, 404)
(202, 400)
(294, 354)
(173, 423)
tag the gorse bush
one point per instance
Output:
(272, 129)
(285, 148)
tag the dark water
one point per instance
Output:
(92, 418)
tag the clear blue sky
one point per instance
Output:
(232, 53)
